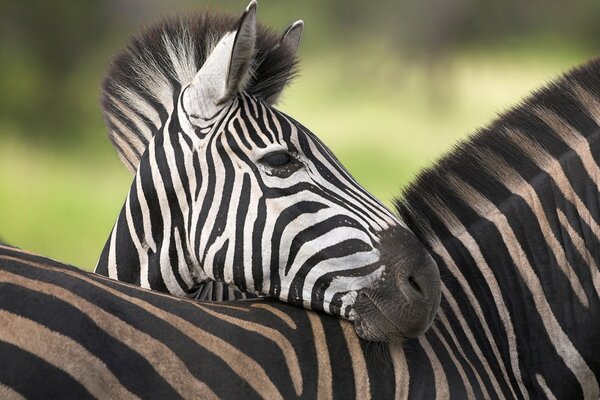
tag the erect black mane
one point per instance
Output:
(574, 98)
(144, 78)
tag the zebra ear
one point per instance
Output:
(290, 41)
(226, 71)
(292, 35)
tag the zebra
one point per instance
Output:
(511, 219)
(229, 189)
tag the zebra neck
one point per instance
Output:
(148, 245)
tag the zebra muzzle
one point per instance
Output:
(403, 302)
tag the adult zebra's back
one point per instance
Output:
(66, 333)
(512, 219)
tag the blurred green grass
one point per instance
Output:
(383, 117)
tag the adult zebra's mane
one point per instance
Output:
(546, 127)
(145, 78)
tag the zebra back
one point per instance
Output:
(69, 333)
(511, 217)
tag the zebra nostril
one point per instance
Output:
(415, 285)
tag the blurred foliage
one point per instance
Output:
(387, 87)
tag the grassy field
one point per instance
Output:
(384, 121)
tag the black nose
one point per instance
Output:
(404, 301)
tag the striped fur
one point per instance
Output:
(145, 78)
(231, 190)
(71, 334)
(514, 232)
(512, 219)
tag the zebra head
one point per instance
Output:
(229, 189)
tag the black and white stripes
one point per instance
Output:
(511, 218)
(230, 190)
(67, 333)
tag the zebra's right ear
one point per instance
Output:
(225, 72)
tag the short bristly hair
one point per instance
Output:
(145, 78)
(527, 136)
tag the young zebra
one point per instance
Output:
(229, 189)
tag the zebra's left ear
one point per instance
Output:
(291, 37)
(290, 42)
(225, 72)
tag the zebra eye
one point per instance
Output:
(277, 159)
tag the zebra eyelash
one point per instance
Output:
(277, 159)
(269, 163)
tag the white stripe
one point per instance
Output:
(165, 263)
(9, 393)
(475, 371)
(459, 368)
(547, 392)
(439, 376)
(146, 220)
(401, 371)
(112, 253)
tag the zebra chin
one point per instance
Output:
(403, 302)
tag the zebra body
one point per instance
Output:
(229, 189)
(72, 334)
(512, 219)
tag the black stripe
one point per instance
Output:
(34, 378)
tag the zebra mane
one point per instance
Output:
(144, 79)
(543, 129)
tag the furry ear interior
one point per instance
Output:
(225, 72)
(290, 41)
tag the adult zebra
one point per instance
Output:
(229, 189)
(511, 219)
